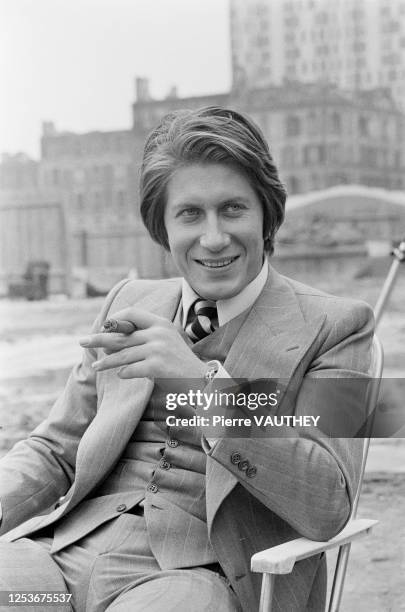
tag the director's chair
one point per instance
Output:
(282, 558)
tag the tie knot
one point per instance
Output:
(205, 307)
(205, 320)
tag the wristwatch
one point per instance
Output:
(212, 369)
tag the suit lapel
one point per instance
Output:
(121, 407)
(271, 344)
(274, 336)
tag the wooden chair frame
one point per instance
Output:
(281, 559)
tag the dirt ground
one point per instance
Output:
(39, 344)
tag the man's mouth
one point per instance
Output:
(217, 263)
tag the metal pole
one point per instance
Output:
(266, 596)
(399, 255)
(339, 577)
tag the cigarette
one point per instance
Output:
(119, 327)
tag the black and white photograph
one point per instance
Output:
(202, 320)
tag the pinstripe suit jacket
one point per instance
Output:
(304, 483)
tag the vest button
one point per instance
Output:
(121, 508)
(152, 487)
(165, 465)
(235, 458)
(251, 471)
(243, 465)
(172, 443)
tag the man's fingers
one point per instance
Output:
(121, 358)
(141, 318)
(113, 342)
(135, 370)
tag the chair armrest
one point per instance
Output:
(281, 559)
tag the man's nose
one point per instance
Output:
(215, 238)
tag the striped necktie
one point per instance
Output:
(205, 320)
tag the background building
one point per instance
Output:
(78, 207)
(18, 172)
(355, 44)
(319, 135)
(322, 79)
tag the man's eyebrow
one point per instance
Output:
(197, 202)
(235, 199)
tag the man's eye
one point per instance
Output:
(233, 207)
(189, 213)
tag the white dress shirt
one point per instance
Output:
(229, 308)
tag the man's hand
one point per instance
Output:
(155, 350)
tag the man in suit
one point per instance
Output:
(104, 500)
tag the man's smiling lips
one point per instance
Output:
(222, 262)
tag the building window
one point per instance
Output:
(363, 126)
(369, 156)
(314, 154)
(97, 202)
(80, 202)
(121, 203)
(293, 126)
(108, 173)
(337, 179)
(336, 123)
(312, 122)
(335, 153)
(293, 184)
(288, 156)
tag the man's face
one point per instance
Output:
(214, 223)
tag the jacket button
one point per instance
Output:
(152, 487)
(235, 458)
(165, 465)
(251, 471)
(121, 508)
(59, 502)
(243, 465)
(172, 443)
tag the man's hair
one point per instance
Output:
(209, 135)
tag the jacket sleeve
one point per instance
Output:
(305, 477)
(41, 468)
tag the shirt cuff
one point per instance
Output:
(220, 373)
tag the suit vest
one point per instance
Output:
(164, 467)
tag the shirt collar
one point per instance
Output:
(232, 307)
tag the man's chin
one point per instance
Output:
(220, 290)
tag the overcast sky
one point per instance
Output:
(74, 62)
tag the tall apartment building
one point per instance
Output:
(354, 44)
